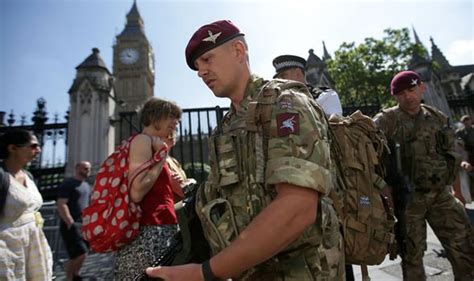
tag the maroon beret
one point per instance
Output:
(208, 37)
(404, 80)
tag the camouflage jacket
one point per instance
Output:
(246, 165)
(426, 143)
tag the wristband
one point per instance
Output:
(207, 272)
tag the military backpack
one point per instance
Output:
(367, 221)
(356, 149)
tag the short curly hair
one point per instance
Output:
(156, 109)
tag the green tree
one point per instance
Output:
(362, 73)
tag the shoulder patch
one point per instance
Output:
(287, 124)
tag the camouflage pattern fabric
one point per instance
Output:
(426, 143)
(426, 155)
(448, 218)
(245, 166)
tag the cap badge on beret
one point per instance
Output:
(404, 80)
(212, 37)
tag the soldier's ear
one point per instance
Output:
(239, 50)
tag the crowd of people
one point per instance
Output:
(259, 206)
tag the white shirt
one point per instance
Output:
(329, 101)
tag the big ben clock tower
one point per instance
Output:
(133, 69)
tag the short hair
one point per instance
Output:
(156, 109)
(18, 137)
(79, 164)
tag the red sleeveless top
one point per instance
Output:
(158, 204)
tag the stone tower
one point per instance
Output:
(434, 94)
(134, 73)
(90, 134)
(317, 74)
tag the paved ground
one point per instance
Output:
(437, 268)
(100, 266)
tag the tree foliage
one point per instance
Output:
(362, 73)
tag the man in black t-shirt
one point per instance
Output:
(73, 197)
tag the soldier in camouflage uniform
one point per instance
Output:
(430, 164)
(259, 206)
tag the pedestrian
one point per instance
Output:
(178, 175)
(24, 251)
(466, 134)
(429, 165)
(73, 197)
(152, 189)
(259, 206)
(461, 186)
(292, 67)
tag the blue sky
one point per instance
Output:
(42, 41)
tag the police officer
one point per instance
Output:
(293, 68)
(428, 161)
(259, 206)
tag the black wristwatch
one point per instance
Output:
(207, 272)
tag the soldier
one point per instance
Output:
(428, 166)
(259, 206)
(293, 68)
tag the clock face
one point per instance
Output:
(129, 56)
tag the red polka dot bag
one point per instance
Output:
(112, 220)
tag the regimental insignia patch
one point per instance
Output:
(287, 124)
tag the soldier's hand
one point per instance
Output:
(191, 272)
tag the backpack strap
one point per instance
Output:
(157, 157)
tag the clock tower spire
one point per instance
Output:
(133, 69)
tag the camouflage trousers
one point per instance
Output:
(449, 221)
(336, 261)
(308, 264)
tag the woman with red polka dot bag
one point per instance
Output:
(132, 204)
